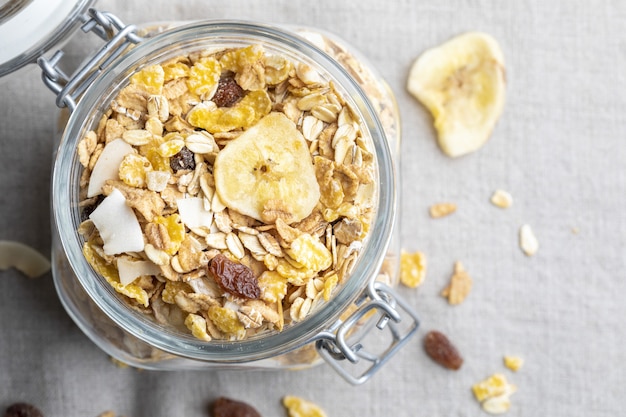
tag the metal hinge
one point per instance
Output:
(107, 26)
(335, 346)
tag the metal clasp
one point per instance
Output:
(108, 27)
(335, 346)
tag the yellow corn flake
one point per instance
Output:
(295, 275)
(204, 76)
(493, 386)
(249, 110)
(175, 230)
(236, 60)
(441, 210)
(299, 407)
(225, 319)
(273, 286)
(151, 152)
(111, 275)
(412, 268)
(133, 169)
(329, 285)
(150, 79)
(310, 252)
(175, 70)
(197, 325)
(514, 363)
(172, 288)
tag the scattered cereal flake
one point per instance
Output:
(493, 386)
(299, 407)
(441, 210)
(23, 258)
(412, 268)
(459, 287)
(502, 199)
(514, 363)
(527, 240)
(497, 405)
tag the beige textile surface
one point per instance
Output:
(559, 148)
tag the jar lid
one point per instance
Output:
(29, 28)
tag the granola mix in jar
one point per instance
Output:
(224, 195)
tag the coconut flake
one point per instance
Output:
(118, 225)
(131, 270)
(193, 214)
(23, 258)
(108, 165)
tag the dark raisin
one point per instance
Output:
(442, 351)
(22, 410)
(183, 160)
(234, 277)
(225, 407)
(228, 92)
(90, 207)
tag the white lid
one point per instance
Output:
(29, 28)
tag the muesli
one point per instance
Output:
(226, 193)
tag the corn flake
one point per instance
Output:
(204, 76)
(493, 386)
(197, 325)
(412, 268)
(150, 79)
(514, 363)
(298, 407)
(310, 252)
(459, 287)
(225, 319)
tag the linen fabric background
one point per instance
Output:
(559, 148)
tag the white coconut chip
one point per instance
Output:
(23, 258)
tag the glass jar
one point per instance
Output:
(363, 323)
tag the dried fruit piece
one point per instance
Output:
(228, 92)
(23, 258)
(268, 162)
(412, 268)
(502, 199)
(22, 410)
(462, 84)
(514, 363)
(459, 287)
(442, 351)
(225, 407)
(234, 277)
(299, 407)
(441, 210)
(183, 160)
(528, 241)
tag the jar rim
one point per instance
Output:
(206, 34)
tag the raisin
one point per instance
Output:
(442, 351)
(89, 208)
(225, 407)
(228, 92)
(183, 160)
(22, 410)
(234, 277)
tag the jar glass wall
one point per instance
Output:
(135, 339)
